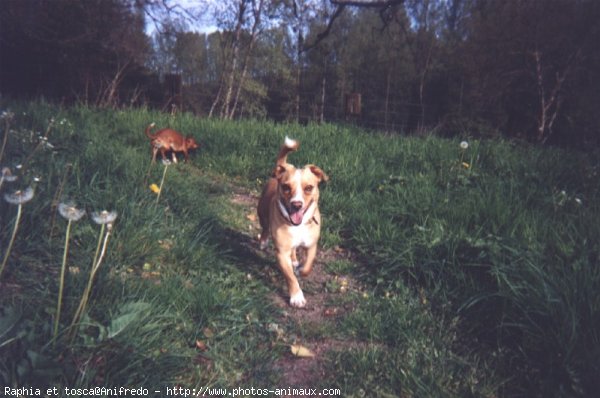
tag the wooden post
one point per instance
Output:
(353, 105)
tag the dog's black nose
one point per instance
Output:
(296, 205)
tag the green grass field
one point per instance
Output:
(444, 271)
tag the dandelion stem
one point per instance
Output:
(38, 146)
(55, 200)
(161, 183)
(6, 130)
(84, 298)
(62, 281)
(12, 239)
(100, 235)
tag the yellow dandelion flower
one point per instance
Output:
(154, 188)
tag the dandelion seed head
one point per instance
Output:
(7, 115)
(104, 217)
(464, 145)
(19, 197)
(166, 162)
(69, 211)
(7, 175)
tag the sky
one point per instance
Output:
(200, 25)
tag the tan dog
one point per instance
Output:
(169, 140)
(288, 212)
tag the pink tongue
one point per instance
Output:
(296, 217)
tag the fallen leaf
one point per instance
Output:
(251, 217)
(301, 351)
(201, 345)
(331, 311)
(166, 244)
(275, 328)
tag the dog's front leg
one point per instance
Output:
(295, 261)
(284, 259)
(163, 153)
(311, 253)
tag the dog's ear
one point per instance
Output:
(318, 172)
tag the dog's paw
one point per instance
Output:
(298, 300)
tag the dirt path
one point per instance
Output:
(313, 327)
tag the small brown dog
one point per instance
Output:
(289, 214)
(170, 140)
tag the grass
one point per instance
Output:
(478, 267)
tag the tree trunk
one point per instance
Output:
(323, 84)
(387, 97)
(217, 99)
(549, 105)
(257, 14)
(235, 50)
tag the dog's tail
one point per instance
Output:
(147, 131)
(289, 145)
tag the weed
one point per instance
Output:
(71, 213)
(17, 198)
(106, 220)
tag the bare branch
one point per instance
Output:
(367, 3)
(550, 104)
(325, 33)
(383, 5)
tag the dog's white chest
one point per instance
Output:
(302, 236)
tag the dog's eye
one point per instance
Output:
(286, 188)
(308, 189)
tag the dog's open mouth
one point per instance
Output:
(296, 215)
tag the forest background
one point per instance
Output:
(527, 69)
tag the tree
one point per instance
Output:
(386, 9)
(242, 19)
(523, 58)
(68, 49)
(191, 56)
